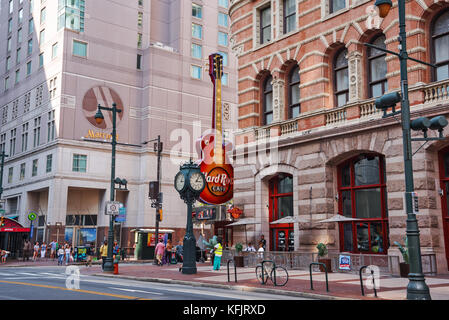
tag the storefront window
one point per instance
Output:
(362, 195)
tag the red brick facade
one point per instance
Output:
(313, 147)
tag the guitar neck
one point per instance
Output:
(218, 122)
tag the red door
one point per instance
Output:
(444, 185)
(282, 239)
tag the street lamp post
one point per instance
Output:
(417, 288)
(109, 266)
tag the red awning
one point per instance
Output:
(15, 229)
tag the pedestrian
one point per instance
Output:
(103, 253)
(53, 249)
(264, 242)
(250, 248)
(43, 250)
(36, 251)
(179, 251)
(26, 250)
(61, 254)
(218, 252)
(89, 253)
(159, 252)
(168, 249)
(4, 254)
(261, 250)
(115, 249)
(67, 254)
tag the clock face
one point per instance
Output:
(197, 181)
(180, 181)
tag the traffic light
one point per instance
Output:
(420, 124)
(154, 190)
(159, 215)
(388, 100)
(438, 123)
(2, 221)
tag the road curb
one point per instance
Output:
(228, 287)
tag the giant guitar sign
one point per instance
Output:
(215, 164)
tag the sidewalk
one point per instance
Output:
(341, 285)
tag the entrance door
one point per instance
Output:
(444, 185)
(282, 239)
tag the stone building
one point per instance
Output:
(306, 91)
(58, 61)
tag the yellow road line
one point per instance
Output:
(74, 290)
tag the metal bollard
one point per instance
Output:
(235, 270)
(325, 269)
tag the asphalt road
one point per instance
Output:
(60, 283)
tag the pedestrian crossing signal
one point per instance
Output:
(159, 215)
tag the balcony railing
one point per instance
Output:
(361, 111)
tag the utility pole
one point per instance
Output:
(159, 200)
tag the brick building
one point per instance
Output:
(306, 90)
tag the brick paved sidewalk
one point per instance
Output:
(341, 285)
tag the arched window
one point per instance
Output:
(362, 195)
(377, 67)
(440, 46)
(294, 108)
(268, 101)
(341, 84)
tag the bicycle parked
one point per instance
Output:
(268, 270)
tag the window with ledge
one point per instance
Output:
(195, 72)
(289, 15)
(377, 68)
(362, 195)
(294, 107)
(222, 39)
(197, 31)
(341, 84)
(49, 163)
(79, 49)
(223, 19)
(440, 46)
(265, 25)
(336, 5)
(34, 168)
(197, 11)
(79, 163)
(196, 51)
(22, 171)
(267, 101)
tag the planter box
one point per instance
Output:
(238, 260)
(327, 263)
(404, 269)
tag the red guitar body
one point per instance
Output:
(212, 147)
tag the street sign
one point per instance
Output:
(121, 215)
(112, 208)
(32, 216)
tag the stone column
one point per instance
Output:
(278, 99)
(355, 75)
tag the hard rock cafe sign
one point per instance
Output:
(104, 96)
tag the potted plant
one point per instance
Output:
(322, 252)
(404, 267)
(238, 259)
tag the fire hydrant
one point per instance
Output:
(116, 260)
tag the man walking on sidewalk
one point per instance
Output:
(218, 251)
(104, 253)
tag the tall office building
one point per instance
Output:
(58, 61)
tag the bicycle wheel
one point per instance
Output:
(261, 275)
(279, 276)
